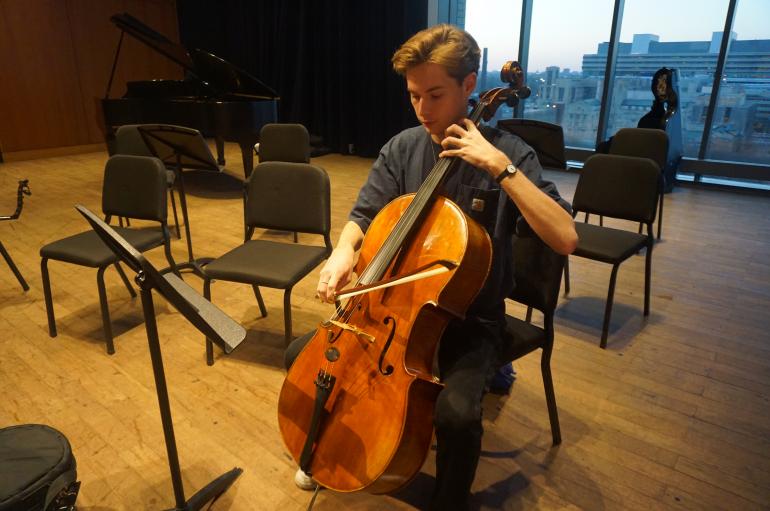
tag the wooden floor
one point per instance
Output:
(673, 415)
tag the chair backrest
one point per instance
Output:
(290, 197)
(537, 271)
(624, 187)
(642, 143)
(546, 139)
(284, 142)
(135, 187)
(128, 140)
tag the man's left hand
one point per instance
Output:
(468, 143)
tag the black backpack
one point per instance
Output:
(37, 470)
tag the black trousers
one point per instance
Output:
(468, 358)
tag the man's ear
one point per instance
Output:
(469, 84)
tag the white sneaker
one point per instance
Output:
(304, 481)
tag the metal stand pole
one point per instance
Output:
(192, 263)
(215, 488)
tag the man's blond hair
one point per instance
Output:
(446, 45)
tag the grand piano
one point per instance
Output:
(216, 98)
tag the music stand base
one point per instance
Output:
(211, 492)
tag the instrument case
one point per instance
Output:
(37, 470)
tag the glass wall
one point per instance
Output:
(740, 130)
(495, 25)
(567, 88)
(650, 41)
(567, 57)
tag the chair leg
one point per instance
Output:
(105, 310)
(660, 214)
(15, 270)
(647, 278)
(48, 298)
(209, 344)
(295, 237)
(173, 210)
(528, 319)
(566, 275)
(125, 280)
(550, 397)
(287, 315)
(608, 306)
(260, 301)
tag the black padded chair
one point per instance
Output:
(537, 271)
(545, 138)
(644, 143)
(282, 196)
(129, 141)
(284, 142)
(134, 187)
(622, 187)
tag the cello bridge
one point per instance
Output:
(350, 328)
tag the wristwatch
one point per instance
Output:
(509, 170)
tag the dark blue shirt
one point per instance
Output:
(407, 159)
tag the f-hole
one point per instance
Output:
(388, 370)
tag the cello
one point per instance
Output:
(356, 407)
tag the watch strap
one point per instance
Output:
(509, 170)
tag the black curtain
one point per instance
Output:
(328, 60)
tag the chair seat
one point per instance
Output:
(607, 244)
(87, 249)
(520, 338)
(255, 263)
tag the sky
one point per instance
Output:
(564, 30)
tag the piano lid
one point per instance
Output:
(222, 76)
(153, 39)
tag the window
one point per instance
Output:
(649, 41)
(495, 25)
(741, 126)
(565, 71)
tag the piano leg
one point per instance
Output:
(247, 149)
(220, 142)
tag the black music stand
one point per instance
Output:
(179, 147)
(207, 318)
(22, 191)
(546, 139)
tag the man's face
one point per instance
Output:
(438, 100)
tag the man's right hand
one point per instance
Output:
(336, 273)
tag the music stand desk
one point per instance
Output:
(207, 318)
(179, 147)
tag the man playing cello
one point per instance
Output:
(498, 181)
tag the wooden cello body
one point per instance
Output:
(377, 427)
(356, 407)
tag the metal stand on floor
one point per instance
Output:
(211, 321)
(21, 192)
(181, 147)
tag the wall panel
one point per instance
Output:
(55, 60)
